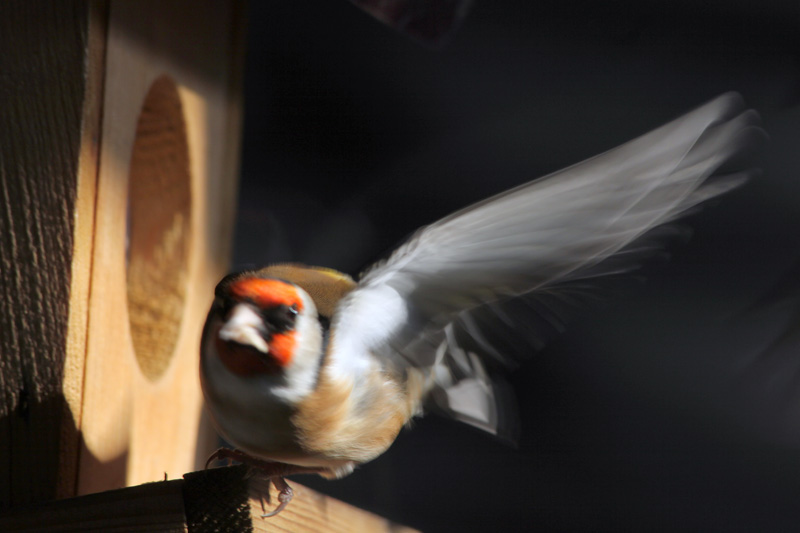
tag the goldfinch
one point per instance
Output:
(305, 370)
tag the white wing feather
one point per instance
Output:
(528, 242)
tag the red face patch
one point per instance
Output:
(281, 347)
(266, 292)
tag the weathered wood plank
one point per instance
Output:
(230, 499)
(156, 507)
(43, 88)
(209, 501)
(310, 512)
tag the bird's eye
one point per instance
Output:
(280, 318)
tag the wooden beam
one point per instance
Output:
(156, 507)
(310, 512)
(220, 499)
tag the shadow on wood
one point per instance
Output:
(119, 140)
(216, 500)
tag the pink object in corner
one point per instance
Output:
(429, 21)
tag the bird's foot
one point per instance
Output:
(272, 471)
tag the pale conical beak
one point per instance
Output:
(243, 326)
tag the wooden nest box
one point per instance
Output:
(119, 146)
(119, 139)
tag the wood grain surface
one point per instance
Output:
(152, 507)
(310, 511)
(160, 246)
(78, 411)
(208, 501)
(43, 87)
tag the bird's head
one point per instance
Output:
(263, 326)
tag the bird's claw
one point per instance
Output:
(273, 471)
(285, 495)
(227, 453)
(213, 457)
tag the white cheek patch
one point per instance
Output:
(300, 377)
(243, 326)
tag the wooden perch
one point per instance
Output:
(216, 500)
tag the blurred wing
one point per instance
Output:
(459, 290)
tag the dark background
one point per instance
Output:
(674, 405)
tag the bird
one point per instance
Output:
(307, 370)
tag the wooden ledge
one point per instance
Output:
(216, 500)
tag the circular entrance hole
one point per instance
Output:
(159, 214)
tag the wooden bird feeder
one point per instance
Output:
(119, 143)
